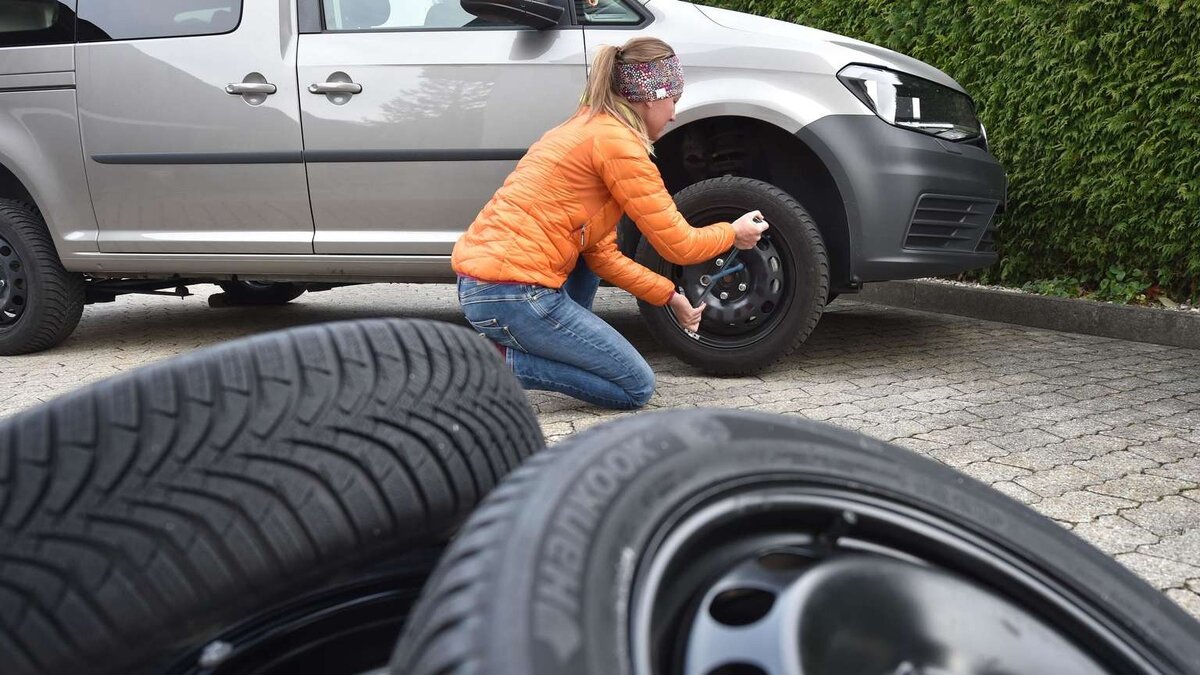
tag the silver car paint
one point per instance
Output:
(168, 96)
(735, 65)
(40, 143)
(426, 91)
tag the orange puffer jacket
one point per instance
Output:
(565, 198)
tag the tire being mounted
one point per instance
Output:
(550, 574)
(140, 515)
(779, 326)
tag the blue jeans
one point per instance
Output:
(554, 341)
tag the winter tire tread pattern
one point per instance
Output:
(145, 511)
(57, 295)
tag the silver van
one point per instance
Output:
(280, 146)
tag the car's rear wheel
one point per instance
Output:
(761, 314)
(40, 301)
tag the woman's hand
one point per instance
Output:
(748, 229)
(685, 314)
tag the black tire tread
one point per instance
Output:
(58, 294)
(154, 505)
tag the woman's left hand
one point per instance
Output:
(685, 314)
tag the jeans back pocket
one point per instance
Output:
(492, 330)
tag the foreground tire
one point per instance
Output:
(771, 307)
(40, 301)
(146, 515)
(715, 541)
(260, 293)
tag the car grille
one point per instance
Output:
(945, 223)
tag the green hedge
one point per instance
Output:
(1093, 106)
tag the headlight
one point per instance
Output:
(913, 103)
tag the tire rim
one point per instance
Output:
(14, 293)
(757, 298)
(347, 630)
(750, 584)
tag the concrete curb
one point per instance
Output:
(1140, 324)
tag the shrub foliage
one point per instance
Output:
(1093, 106)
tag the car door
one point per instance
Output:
(420, 112)
(191, 126)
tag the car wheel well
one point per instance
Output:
(741, 146)
(11, 187)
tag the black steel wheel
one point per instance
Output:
(261, 293)
(764, 312)
(40, 301)
(718, 542)
(347, 629)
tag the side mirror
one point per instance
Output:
(537, 14)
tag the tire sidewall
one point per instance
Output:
(653, 473)
(799, 241)
(37, 271)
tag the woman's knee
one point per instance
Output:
(641, 388)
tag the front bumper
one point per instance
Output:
(915, 205)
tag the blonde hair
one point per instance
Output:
(601, 93)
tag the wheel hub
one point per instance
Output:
(740, 304)
(13, 284)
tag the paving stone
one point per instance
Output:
(1189, 601)
(1115, 464)
(1077, 428)
(1042, 458)
(1081, 506)
(1017, 492)
(1057, 481)
(959, 455)
(1114, 534)
(834, 411)
(1169, 516)
(1187, 469)
(1024, 440)
(1169, 450)
(1146, 433)
(1141, 487)
(1184, 548)
(991, 472)
(1160, 572)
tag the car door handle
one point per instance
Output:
(251, 89)
(335, 88)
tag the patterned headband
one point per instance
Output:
(651, 81)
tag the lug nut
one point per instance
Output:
(724, 295)
(705, 280)
(720, 262)
(742, 287)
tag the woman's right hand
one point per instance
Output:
(748, 229)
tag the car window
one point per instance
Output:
(345, 15)
(102, 20)
(35, 22)
(607, 13)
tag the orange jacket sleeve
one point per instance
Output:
(607, 261)
(637, 185)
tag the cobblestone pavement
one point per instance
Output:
(1101, 435)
